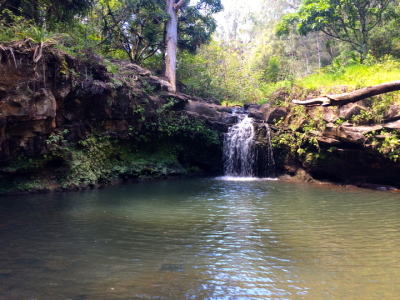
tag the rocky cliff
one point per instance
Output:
(346, 144)
(76, 123)
(72, 123)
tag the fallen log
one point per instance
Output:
(357, 95)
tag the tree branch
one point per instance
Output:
(179, 4)
(341, 99)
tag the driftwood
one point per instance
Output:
(357, 95)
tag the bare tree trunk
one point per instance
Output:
(341, 99)
(319, 51)
(172, 41)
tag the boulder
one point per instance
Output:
(393, 114)
(201, 109)
(228, 119)
(280, 95)
(329, 115)
(254, 112)
(328, 141)
(265, 108)
(349, 110)
(395, 126)
(276, 114)
(348, 134)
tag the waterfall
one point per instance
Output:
(265, 155)
(244, 156)
(238, 149)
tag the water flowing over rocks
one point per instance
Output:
(61, 101)
(239, 150)
(339, 149)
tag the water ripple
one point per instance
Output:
(202, 239)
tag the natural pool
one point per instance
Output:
(202, 239)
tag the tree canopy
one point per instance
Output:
(240, 59)
(350, 21)
(50, 13)
(133, 26)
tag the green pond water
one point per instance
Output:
(202, 239)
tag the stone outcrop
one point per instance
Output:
(276, 114)
(393, 114)
(59, 102)
(339, 144)
(61, 92)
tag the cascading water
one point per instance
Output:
(265, 155)
(239, 149)
(244, 156)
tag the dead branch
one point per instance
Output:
(357, 95)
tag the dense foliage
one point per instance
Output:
(321, 46)
(133, 29)
(245, 61)
(349, 21)
(248, 61)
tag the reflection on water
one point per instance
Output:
(202, 239)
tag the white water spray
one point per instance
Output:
(243, 157)
(238, 149)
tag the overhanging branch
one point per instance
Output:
(357, 95)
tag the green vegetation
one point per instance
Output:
(172, 144)
(319, 44)
(235, 71)
(123, 29)
(349, 21)
(174, 147)
(353, 75)
(322, 47)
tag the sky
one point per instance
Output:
(244, 6)
(251, 5)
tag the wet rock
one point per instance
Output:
(256, 114)
(378, 187)
(302, 175)
(246, 106)
(229, 118)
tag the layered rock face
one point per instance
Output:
(60, 92)
(65, 104)
(61, 103)
(341, 144)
